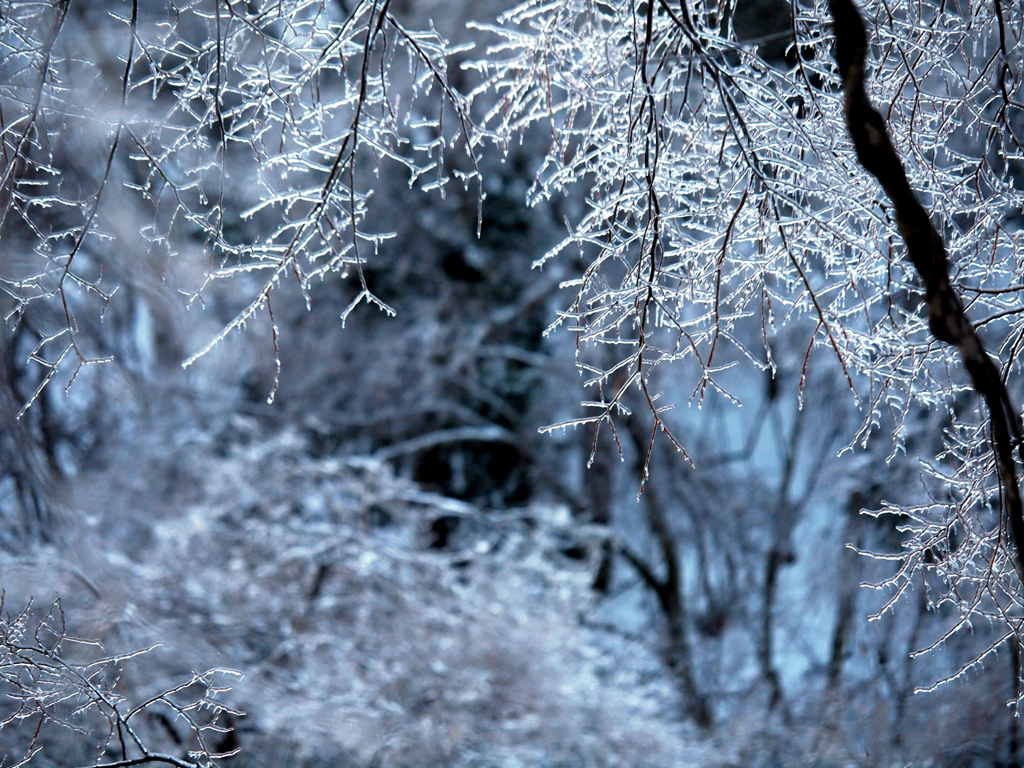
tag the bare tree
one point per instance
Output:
(721, 186)
(718, 181)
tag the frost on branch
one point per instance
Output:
(248, 134)
(53, 685)
(986, 591)
(724, 201)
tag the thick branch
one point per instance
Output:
(946, 316)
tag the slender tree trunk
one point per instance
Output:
(848, 585)
(840, 638)
(775, 560)
(905, 689)
(679, 657)
(780, 554)
(597, 484)
(669, 591)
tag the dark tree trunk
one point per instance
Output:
(669, 591)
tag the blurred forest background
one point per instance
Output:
(404, 570)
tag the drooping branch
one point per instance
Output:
(947, 319)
